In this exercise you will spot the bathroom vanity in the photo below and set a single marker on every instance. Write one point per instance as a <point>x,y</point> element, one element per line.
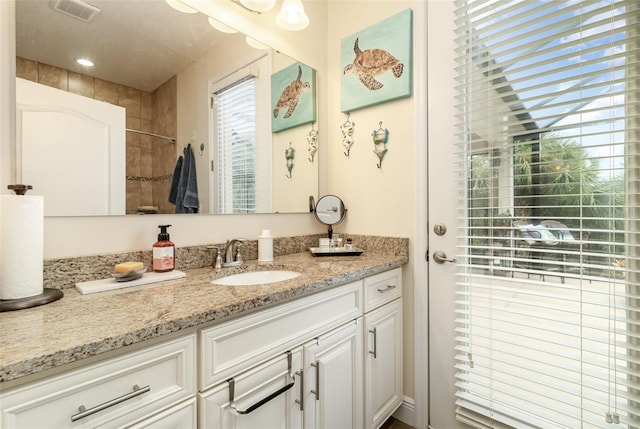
<point>323,350</point>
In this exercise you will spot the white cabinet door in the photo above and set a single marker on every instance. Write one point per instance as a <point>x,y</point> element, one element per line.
<point>333,379</point>
<point>264,397</point>
<point>383,363</point>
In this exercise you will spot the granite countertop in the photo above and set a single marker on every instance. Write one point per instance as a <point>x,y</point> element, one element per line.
<point>80,326</point>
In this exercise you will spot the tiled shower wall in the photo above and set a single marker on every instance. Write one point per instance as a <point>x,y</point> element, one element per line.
<point>150,160</point>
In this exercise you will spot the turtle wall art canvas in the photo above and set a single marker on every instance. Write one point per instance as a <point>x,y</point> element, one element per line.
<point>377,63</point>
<point>293,97</point>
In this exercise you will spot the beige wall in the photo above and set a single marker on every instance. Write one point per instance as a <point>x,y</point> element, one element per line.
<point>379,201</point>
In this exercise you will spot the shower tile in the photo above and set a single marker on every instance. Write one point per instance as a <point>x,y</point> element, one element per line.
<point>27,69</point>
<point>146,111</point>
<point>133,161</point>
<point>53,76</point>
<point>81,84</point>
<point>129,98</point>
<point>106,91</point>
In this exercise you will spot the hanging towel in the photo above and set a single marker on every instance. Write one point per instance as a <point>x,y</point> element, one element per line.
<point>187,194</point>
<point>173,193</point>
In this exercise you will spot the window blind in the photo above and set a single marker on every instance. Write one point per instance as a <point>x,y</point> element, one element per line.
<point>236,104</point>
<point>548,289</point>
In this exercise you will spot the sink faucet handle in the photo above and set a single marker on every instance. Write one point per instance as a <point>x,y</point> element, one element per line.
<point>238,254</point>
<point>218,259</point>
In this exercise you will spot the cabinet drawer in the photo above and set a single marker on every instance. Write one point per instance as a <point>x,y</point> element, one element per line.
<point>382,288</point>
<point>234,346</point>
<point>266,396</point>
<point>164,374</point>
<point>181,416</point>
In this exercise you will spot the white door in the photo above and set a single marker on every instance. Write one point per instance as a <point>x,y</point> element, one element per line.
<point>265,397</point>
<point>333,379</point>
<point>547,238</point>
<point>442,211</point>
<point>71,149</point>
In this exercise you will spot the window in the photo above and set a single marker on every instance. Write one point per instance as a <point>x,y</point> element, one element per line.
<point>548,314</point>
<point>236,146</point>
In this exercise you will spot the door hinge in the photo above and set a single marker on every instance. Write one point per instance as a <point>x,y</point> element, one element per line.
<point>426,255</point>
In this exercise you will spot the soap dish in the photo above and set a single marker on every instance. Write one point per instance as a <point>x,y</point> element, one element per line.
<point>128,276</point>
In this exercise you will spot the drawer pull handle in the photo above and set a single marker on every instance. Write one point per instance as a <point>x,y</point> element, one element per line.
<point>261,402</point>
<point>301,400</point>
<point>375,343</point>
<point>83,412</point>
<point>386,289</point>
<point>316,392</point>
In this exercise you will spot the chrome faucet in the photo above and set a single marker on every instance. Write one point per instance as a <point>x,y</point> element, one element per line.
<point>232,256</point>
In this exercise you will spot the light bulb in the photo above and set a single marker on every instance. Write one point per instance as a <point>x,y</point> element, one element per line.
<point>255,44</point>
<point>178,5</point>
<point>292,16</point>
<point>221,27</point>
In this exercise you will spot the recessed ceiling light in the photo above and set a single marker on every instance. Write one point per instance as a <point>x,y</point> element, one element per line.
<point>85,62</point>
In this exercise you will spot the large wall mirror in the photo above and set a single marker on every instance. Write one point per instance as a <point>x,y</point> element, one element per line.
<point>168,76</point>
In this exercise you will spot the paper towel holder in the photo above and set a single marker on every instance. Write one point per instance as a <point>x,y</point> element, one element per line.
<point>48,295</point>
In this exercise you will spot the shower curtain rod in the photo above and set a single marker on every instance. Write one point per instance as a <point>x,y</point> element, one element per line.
<point>171,139</point>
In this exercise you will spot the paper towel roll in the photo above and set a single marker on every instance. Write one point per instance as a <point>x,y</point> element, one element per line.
<point>21,246</point>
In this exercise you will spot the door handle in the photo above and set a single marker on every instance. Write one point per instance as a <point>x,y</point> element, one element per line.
<point>440,257</point>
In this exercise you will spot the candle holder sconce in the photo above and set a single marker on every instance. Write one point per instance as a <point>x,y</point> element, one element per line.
<point>347,129</point>
<point>289,155</point>
<point>312,140</point>
<point>380,139</point>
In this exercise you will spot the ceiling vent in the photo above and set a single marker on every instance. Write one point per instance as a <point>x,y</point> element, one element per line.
<point>75,8</point>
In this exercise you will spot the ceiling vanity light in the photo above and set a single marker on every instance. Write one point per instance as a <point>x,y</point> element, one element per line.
<point>178,5</point>
<point>221,27</point>
<point>292,16</point>
<point>255,44</point>
<point>258,5</point>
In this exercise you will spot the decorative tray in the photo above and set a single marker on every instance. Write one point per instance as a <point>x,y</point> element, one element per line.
<point>335,251</point>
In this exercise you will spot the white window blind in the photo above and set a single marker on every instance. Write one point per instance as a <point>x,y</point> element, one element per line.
<point>548,293</point>
<point>236,150</point>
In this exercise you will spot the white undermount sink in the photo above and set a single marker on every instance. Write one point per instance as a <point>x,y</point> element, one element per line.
<point>256,278</point>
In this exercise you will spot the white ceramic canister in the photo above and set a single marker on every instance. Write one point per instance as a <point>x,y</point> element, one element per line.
<point>265,246</point>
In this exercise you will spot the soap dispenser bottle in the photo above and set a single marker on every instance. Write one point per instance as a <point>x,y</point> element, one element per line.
<point>163,252</point>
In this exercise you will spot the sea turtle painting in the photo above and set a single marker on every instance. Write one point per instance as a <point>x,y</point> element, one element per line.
<point>291,95</point>
<point>373,62</point>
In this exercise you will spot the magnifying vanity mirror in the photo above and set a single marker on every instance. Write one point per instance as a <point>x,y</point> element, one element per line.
<point>330,211</point>
<point>166,71</point>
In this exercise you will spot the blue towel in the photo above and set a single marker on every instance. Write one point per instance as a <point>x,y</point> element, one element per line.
<point>173,193</point>
<point>187,193</point>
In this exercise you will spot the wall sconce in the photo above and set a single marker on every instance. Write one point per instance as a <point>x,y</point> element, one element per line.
<point>292,16</point>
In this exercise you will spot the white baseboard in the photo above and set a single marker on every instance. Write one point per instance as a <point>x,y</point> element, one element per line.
<point>406,412</point>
